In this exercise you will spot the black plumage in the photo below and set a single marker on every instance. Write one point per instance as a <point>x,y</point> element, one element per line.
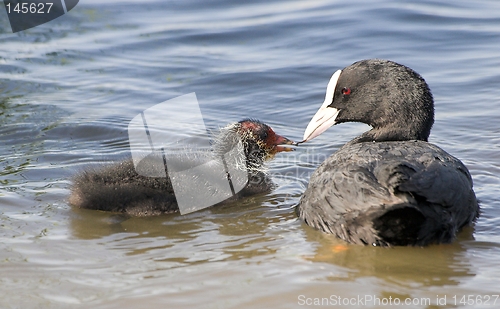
<point>119,188</point>
<point>388,186</point>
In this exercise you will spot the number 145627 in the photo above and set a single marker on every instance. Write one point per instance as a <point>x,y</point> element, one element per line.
<point>32,8</point>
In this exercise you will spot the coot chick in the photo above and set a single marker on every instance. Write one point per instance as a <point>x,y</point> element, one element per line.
<point>388,186</point>
<point>119,188</point>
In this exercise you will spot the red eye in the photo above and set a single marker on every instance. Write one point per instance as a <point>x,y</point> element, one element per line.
<point>346,91</point>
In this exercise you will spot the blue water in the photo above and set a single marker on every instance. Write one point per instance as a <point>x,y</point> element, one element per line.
<point>69,88</point>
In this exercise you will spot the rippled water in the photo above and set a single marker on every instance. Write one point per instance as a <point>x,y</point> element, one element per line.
<point>69,88</point>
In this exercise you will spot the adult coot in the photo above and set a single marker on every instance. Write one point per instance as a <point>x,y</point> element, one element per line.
<point>119,188</point>
<point>388,186</point>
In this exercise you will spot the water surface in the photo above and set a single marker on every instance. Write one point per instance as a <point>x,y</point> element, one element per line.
<point>69,88</point>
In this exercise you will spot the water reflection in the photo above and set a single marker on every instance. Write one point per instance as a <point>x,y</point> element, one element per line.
<point>233,231</point>
<point>435,265</point>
